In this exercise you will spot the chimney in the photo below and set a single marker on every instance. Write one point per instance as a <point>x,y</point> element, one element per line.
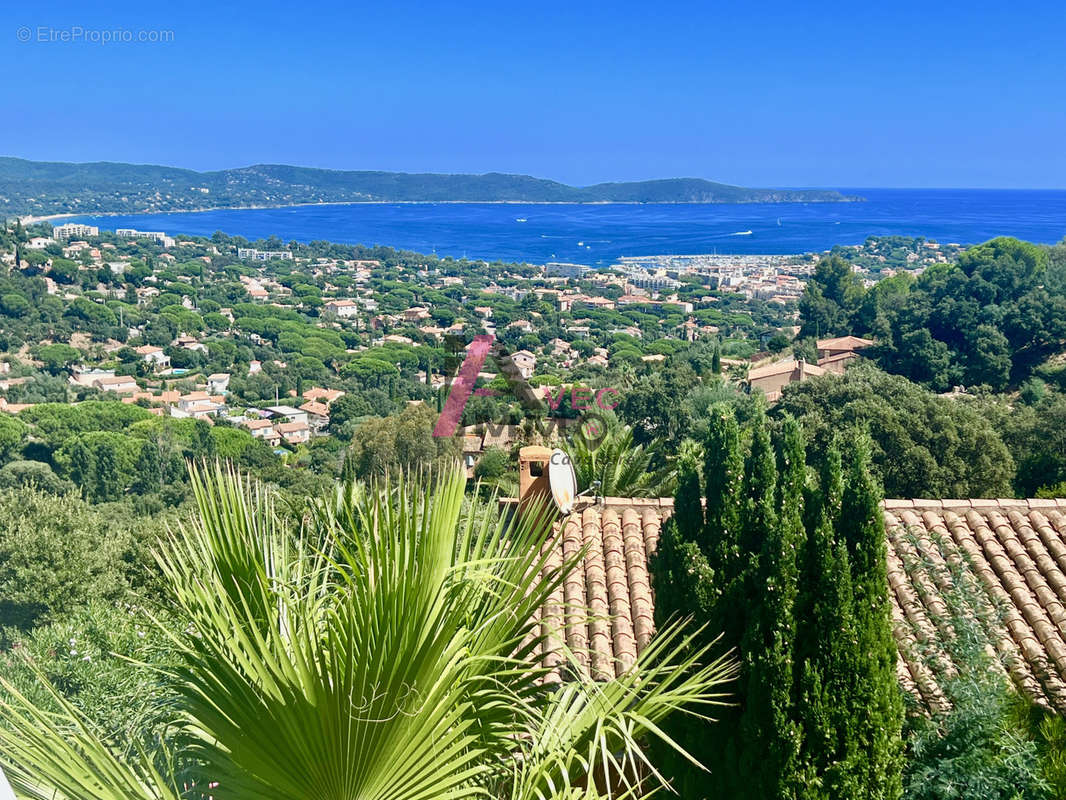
<point>533,475</point>
<point>801,364</point>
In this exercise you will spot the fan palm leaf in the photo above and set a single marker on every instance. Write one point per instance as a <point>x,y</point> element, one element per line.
<point>386,649</point>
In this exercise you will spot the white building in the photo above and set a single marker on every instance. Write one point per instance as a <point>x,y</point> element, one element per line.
<point>156,236</point>
<point>154,355</point>
<point>251,254</point>
<point>526,363</point>
<point>341,308</point>
<point>71,230</point>
<point>218,383</point>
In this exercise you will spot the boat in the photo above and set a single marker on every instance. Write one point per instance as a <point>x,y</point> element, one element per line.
<point>741,233</point>
<point>521,219</point>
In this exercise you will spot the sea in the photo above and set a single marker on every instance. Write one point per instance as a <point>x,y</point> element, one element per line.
<point>598,234</point>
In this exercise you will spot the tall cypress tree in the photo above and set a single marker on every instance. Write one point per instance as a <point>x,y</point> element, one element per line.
<point>770,730</point>
<point>877,693</point>
<point>794,580</point>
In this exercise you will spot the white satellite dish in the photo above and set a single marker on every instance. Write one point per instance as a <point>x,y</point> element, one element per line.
<point>563,481</point>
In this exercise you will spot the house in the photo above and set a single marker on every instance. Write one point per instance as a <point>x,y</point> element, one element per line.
<point>1014,550</point>
<point>287,413</point>
<point>320,395</point>
<point>84,376</point>
<point>341,308</point>
<point>526,363</point>
<point>773,378</point>
<point>294,432</point>
<point>120,384</point>
<point>254,367</point>
<point>523,325</point>
<point>154,356</point>
<point>263,429</point>
<point>38,243</point>
<point>416,314</point>
<point>835,354</point>
<point>218,383</point>
<point>190,343</point>
<point>317,415</point>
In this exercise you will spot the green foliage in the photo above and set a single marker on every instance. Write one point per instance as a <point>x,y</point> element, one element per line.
<point>923,445</point>
<point>56,553</point>
<point>990,320</point>
<point>784,571</point>
<point>404,442</point>
<point>619,467</point>
<point>94,655</point>
<point>392,596</point>
<point>975,748</point>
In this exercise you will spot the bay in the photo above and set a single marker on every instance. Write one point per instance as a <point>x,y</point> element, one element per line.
<point>599,234</point>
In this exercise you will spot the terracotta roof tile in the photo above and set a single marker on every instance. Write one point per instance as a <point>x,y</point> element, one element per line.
<point>1015,551</point>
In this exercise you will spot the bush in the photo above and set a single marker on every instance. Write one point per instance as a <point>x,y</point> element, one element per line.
<point>56,553</point>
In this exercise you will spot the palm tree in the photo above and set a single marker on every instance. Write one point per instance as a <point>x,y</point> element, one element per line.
<point>384,650</point>
<point>609,457</point>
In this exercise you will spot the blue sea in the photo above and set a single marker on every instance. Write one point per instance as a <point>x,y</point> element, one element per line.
<point>598,234</point>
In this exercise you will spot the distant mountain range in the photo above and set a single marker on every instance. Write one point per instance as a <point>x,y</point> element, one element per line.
<point>45,187</point>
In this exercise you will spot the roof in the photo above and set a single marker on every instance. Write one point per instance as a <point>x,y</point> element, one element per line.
<point>318,393</point>
<point>318,409</point>
<point>782,367</point>
<point>291,427</point>
<point>1015,549</point>
<point>115,380</point>
<point>844,343</point>
<point>612,583</point>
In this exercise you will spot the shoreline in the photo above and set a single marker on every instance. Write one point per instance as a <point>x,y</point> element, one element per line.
<point>33,219</point>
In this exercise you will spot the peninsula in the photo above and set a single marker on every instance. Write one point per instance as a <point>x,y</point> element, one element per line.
<point>49,188</point>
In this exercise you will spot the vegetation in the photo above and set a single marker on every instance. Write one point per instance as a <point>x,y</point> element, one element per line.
<point>975,748</point>
<point>388,594</point>
<point>793,575</point>
<point>989,320</point>
<point>35,187</point>
<point>923,445</point>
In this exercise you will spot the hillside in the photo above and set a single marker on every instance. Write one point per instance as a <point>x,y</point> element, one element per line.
<point>40,187</point>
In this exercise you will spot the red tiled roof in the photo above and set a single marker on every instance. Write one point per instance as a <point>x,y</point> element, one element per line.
<point>844,343</point>
<point>1016,550</point>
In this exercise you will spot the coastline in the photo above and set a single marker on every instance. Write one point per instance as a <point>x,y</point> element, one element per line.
<point>33,219</point>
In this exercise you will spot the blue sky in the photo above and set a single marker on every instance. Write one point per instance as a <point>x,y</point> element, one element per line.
<point>760,93</point>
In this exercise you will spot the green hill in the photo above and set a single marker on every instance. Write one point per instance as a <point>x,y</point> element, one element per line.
<point>41,187</point>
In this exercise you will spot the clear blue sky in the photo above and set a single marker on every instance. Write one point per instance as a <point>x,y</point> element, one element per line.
<point>776,93</point>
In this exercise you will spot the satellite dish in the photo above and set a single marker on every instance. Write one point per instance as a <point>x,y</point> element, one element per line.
<point>563,481</point>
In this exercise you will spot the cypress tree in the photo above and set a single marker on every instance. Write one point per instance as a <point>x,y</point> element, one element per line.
<point>772,735</point>
<point>723,473</point>
<point>794,580</point>
<point>878,700</point>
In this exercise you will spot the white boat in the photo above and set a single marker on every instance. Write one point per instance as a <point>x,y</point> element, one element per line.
<point>741,233</point>
<point>521,219</point>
